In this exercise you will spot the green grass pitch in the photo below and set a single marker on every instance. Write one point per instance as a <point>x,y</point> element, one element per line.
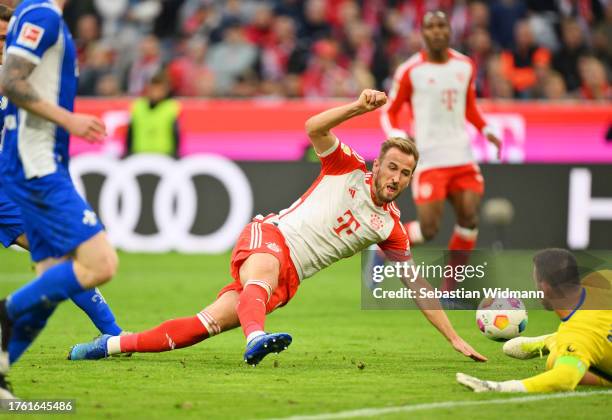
<point>342,357</point>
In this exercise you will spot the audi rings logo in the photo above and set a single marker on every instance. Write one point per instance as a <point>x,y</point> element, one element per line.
<point>175,204</point>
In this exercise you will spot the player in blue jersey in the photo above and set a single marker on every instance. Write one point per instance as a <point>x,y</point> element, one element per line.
<point>12,233</point>
<point>39,78</point>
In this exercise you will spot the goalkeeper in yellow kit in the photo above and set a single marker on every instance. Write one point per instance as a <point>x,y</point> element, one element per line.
<point>580,352</point>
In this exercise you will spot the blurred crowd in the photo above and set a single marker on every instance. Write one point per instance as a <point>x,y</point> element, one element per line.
<point>538,49</point>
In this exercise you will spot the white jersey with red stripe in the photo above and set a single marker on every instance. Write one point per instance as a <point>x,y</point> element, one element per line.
<point>441,96</point>
<point>337,218</point>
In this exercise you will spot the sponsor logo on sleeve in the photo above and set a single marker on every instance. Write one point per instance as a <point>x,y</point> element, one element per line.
<point>30,35</point>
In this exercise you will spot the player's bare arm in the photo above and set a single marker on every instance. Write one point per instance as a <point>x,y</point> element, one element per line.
<point>434,313</point>
<point>319,126</point>
<point>17,88</point>
<point>493,139</point>
<point>14,81</point>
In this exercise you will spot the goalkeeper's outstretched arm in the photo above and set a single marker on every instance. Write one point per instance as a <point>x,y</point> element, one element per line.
<point>566,374</point>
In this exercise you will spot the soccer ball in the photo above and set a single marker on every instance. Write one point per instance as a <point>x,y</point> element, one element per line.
<point>501,319</point>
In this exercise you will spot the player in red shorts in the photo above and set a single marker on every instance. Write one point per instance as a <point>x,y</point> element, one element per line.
<point>438,85</point>
<point>346,210</point>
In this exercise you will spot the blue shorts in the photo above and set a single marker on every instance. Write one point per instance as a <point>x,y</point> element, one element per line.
<point>55,217</point>
<point>11,223</point>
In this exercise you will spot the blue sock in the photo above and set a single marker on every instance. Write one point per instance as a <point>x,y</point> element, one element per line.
<point>55,285</point>
<point>25,330</point>
<point>93,304</point>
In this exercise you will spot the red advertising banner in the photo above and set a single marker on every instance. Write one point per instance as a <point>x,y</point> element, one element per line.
<point>260,130</point>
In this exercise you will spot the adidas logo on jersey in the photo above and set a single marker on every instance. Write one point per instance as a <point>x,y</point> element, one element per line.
<point>352,192</point>
<point>273,246</point>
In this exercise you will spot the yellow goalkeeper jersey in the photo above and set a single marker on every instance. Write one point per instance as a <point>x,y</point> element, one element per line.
<point>586,333</point>
<point>583,340</point>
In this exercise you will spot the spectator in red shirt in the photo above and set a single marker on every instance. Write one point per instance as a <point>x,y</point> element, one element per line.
<point>260,31</point>
<point>187,72</point>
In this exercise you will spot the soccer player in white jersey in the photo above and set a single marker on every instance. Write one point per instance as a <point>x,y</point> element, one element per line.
<point>437,84</point>
<point>66,240</point>
<point>346,210</point>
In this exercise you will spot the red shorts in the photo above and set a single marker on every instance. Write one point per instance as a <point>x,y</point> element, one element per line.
<point>437,183</point>
<point>257,238</point>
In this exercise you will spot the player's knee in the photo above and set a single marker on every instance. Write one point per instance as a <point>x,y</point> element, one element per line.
<point>260,267</point>
<point>105,267</point>
<point>429,230</point>
<point>266,269</point>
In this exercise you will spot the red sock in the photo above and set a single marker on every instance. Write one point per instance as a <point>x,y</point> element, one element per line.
<point>461,244</point>
<point>252,308</point>
<point>170,335</point>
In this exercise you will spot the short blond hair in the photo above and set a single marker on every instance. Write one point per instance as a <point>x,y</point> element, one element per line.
<point>407,146</point>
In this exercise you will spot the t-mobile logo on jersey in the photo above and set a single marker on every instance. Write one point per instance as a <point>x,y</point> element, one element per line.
<point>348,223</point>
<point>449,98</point>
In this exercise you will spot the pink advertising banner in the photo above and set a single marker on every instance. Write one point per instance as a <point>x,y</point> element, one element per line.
<point>264,130</point>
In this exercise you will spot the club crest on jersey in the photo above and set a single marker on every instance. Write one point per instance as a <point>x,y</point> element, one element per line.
<point>376,222</point>
<point>273,246</point>
<point>30,35</point>
<point>89,218</point>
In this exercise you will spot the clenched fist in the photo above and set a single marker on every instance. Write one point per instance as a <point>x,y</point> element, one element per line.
<point>371,99</point>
